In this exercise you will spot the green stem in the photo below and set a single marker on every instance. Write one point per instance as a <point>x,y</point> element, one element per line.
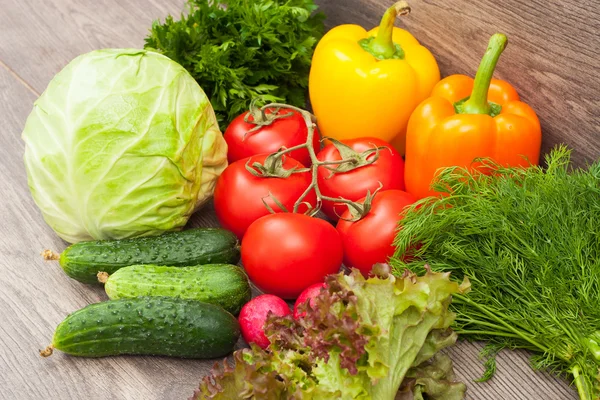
<point>582,386</point>
<point>382,46</point>
<point>257,113</point>
<point>310,121</point>
<point>501,321</point>
<point>383,42</point>
<point>478,102</point>
<point>486,333</point>
<point>260,117</point>
<point>290,149</point>
<point>480,323</point>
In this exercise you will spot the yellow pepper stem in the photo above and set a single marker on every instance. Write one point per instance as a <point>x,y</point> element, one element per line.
<point>478,102</point>
<point>382,46</point>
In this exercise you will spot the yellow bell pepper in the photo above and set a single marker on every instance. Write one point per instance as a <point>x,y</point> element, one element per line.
<point>368,83</point>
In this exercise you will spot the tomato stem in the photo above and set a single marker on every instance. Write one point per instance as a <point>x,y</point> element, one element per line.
<point>260,118</point>
<point>358,210</point>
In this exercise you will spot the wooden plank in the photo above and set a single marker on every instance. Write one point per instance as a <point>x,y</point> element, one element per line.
<point>38,38</point>
<point>552,57</point>
<point>514,378</point>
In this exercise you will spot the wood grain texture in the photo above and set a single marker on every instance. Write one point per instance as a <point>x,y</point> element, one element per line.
<point>514,379</point>
<point>38,38</point>
<point>552,58</point>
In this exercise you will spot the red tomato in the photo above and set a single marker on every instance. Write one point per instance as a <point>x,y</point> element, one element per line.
<point>308,294</point>
<point>285,132</point>
<point>239,195</point>
<point>285,253</point>
<point>369,240</point>
<point>254,315</point>
<point>353,185</point>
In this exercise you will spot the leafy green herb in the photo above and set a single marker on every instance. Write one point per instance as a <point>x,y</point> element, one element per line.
<point>529,241</point>
<point>241,49</point>
<point>362,339</point>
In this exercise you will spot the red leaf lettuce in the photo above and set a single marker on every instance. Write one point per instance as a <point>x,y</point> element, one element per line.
<point>362,339</point>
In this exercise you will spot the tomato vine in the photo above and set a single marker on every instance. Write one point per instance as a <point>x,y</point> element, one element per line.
<point>273,164</point>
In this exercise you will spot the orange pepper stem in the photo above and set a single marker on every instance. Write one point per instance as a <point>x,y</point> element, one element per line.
<point>478,102</point>
<point>382,46</point>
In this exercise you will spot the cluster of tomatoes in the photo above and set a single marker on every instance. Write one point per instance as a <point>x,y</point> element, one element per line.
<point>286,253</point>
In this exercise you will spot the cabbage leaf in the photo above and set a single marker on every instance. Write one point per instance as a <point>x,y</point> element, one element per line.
<point>122,143</point>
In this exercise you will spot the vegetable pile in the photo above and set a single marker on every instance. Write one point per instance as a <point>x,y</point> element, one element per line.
<point>238,50</point>
<point>361,339</point>
<point>124,146</point>
<point>284,253</point>
<point>528,240</point>
<point>166,298</point>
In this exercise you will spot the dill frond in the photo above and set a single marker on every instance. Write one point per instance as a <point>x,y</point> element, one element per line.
<point>529,241</point>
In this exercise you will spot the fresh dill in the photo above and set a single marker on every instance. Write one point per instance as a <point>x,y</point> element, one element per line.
<point>529,241</point>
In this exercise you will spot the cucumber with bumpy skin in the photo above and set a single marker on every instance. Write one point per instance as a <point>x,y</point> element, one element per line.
<point>222,284</point>
<point>147,326</point>
<point>83,260</point>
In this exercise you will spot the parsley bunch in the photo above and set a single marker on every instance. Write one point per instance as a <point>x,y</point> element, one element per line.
<point>529,242</point>
<point>241,49</point>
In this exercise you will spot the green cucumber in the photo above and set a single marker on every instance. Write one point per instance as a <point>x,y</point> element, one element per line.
<point>162,326</point>
<point>222,284</point>
<point>83,261</point>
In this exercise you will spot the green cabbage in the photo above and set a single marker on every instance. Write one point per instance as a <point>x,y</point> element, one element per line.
<point>122,143</point>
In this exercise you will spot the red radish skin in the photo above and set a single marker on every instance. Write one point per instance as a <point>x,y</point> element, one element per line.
<point>253,316</point>
<point>308,294</point>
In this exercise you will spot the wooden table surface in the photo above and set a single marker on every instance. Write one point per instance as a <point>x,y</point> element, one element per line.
<point>38,38</point>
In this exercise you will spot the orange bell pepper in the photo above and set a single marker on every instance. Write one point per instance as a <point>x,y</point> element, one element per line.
<point>368,83</point>
<point>458,124</point>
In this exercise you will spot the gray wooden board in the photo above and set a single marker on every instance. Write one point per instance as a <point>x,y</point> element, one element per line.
<point>38,38</point>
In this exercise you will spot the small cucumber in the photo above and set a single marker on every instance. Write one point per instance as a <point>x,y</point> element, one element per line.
<point>83,261</point>
<point>222,284</point>
<point>162,326</point>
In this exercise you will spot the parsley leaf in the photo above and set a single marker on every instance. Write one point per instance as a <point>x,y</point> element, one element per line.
<point>241,49</point>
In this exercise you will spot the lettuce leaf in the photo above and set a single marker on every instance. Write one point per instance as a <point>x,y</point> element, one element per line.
<point>435,379</point>
<point>362,339</point>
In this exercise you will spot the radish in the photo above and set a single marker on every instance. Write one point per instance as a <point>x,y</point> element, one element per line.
<point>254,315</point>
<point>309,293</point>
